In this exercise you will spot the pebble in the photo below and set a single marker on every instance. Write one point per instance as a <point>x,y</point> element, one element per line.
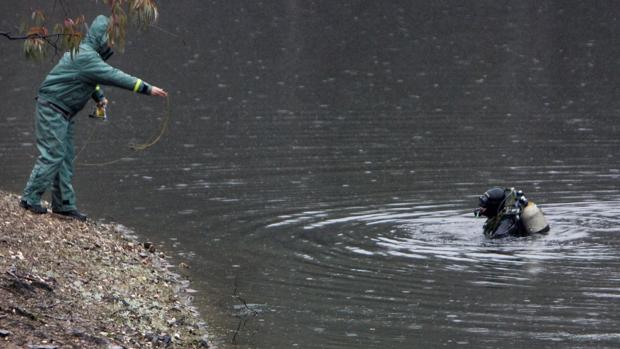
<point>5,333</point>
<point>204,342</point>
<point>149,246</point>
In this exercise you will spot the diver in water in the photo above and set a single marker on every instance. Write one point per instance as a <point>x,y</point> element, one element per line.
<point>510,213</point>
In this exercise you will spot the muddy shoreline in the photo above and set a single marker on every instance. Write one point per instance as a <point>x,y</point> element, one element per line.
<point>68,284</point>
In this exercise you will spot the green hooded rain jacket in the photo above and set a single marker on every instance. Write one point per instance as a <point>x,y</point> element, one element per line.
<point>65,91</point>
<point>74,80</point>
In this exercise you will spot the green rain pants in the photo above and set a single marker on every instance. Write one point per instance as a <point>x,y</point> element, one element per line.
<point>54,166</point>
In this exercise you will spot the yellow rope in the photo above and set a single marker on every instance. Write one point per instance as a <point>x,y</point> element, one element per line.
<point>98,164</point>
<point>164,126</point>
<point>136,147</point>
<point>88,139</point>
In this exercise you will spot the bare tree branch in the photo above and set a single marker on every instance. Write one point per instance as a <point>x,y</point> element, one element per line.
<point>51,39</point>
<point>9,36</point>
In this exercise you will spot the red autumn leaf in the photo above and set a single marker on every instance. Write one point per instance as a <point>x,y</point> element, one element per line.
<point>69,22</point>
<point>37,31</point>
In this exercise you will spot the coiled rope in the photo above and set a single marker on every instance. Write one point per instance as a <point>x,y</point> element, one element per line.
<point>135,147</point>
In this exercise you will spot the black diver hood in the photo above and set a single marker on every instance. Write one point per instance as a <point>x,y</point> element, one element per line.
<point>492,201</point>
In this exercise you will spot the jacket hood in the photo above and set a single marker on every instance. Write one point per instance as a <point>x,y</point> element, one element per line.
<point>97,36</point>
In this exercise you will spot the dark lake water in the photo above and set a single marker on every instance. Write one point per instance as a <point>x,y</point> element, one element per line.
<point>324,157</point>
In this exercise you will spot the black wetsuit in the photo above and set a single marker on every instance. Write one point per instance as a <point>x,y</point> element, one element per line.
<point>504,225</point>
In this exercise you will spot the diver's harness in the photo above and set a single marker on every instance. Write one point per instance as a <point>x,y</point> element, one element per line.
<point>513,205</point>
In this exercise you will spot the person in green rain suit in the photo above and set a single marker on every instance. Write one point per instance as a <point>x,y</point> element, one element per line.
<point>64,92</point>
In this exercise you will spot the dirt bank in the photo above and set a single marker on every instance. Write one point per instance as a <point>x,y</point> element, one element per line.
<point>67,284</point>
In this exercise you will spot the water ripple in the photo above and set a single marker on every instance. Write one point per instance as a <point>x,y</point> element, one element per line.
<point>414,231</point>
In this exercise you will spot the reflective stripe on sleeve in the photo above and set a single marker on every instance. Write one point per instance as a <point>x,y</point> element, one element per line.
<point>137,86</point>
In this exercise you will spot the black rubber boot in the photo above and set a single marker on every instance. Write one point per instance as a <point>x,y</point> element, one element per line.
<point>38,209</point>
<point>75,214</point>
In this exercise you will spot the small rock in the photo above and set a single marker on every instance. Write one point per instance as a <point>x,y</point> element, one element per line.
<point>166,339</point>
<point>149,246</point>
<point>183,265</point>
<point>204,342</point>
<point>5,333</point>
<point>42,346</point>
<point>143,255</point>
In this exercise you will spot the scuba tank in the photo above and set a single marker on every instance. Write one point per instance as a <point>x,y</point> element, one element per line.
<point>533,219</point>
